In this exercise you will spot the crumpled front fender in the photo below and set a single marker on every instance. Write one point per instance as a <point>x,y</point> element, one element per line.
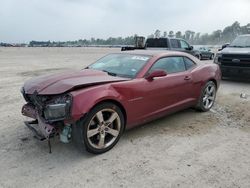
<point>84,100</point>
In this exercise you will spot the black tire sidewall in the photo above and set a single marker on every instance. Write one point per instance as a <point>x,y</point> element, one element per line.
<point>198,56</point>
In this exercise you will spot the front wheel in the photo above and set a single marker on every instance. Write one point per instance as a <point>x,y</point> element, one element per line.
<point>101,129</point>
<point>207,98</point>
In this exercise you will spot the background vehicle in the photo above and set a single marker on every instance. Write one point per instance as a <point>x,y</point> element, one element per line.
<point>234,59</point>
<point>118,92</point>
<point>224,46</point>
<point>166,43</point>
<point>139,44</point>
<point>204,53</point>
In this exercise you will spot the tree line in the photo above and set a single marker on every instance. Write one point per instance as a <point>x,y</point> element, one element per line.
<point>111,41</point>
<point>217,37</point>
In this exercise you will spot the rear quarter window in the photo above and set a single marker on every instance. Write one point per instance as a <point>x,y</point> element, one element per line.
<point>170,65</point>
<point>188,63</point>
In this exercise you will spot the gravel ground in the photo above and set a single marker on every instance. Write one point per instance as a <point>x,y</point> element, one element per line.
<point>186,149</point>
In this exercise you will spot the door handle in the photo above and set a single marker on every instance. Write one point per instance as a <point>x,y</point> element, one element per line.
<point>187,78</point>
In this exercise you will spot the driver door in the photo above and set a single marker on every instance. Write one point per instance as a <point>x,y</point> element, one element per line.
<point>166,93</point>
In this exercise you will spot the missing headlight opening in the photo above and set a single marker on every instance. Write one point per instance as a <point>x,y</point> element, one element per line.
<point>49,111</point>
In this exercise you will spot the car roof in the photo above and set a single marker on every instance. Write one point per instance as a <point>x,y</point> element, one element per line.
<point>155,52</point>
<point>161,53</point>
<point>166,38</point>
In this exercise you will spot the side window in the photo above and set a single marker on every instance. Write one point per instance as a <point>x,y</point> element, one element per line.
<point>189,63</point>
<point>174,43</point>
<point>184,44</point>
<point>170,65</point>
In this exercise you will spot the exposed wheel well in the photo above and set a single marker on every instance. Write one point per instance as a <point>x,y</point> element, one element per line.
<point>119,105</point>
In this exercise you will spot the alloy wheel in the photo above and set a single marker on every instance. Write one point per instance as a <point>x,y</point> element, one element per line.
<point>209,96</point>
<point>104,128</point>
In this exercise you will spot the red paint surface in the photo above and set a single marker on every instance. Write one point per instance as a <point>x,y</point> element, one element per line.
<point>141,99</point>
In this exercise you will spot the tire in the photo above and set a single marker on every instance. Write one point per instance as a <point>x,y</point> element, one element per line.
<point>212,57</point>
<point>198,56</point>
<point>207,97</point>
<point>100,129</point>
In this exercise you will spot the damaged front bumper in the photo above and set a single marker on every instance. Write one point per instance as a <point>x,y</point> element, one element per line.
<point>41,129</point>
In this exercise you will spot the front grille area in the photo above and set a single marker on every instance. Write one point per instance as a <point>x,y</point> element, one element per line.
<point>226,60</point>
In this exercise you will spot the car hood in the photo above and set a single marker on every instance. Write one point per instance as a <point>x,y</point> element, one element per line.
<point>63,82</point>
<point>230,50</point>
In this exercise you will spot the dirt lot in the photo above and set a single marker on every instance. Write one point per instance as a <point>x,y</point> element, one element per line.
<point>187,149</point>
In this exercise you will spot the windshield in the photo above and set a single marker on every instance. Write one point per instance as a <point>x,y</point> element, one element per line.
<point>123,65</point>
<point>241,41</point>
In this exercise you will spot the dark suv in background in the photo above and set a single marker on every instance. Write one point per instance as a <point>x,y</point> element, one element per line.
<point>175,44</point>
<point>166,43</point>
<point>234,59</point>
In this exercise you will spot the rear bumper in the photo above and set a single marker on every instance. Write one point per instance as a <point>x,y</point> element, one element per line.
<point>40,128</point>
<point>235,71</point>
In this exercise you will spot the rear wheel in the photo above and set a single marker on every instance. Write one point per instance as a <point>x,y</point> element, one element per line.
<point>198,56</point>
<point>212,57</point>
<point>207,98</point>
<point>101,129</point>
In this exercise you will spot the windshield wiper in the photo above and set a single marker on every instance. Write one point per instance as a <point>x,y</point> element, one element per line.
<point>110,73</point>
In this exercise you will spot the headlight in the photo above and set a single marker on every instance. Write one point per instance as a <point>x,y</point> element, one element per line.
<point>217,58</point>
<point>59,109</point>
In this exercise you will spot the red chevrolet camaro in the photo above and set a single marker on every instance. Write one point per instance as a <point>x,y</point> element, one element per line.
<point>95,105</point>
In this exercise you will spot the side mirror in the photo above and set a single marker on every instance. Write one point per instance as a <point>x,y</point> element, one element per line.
<point>190,48</point>
<point>224,46</point>
<point>156,74</point>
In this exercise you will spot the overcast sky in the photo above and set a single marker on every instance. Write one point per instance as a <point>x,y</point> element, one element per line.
<point>25,20</point>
